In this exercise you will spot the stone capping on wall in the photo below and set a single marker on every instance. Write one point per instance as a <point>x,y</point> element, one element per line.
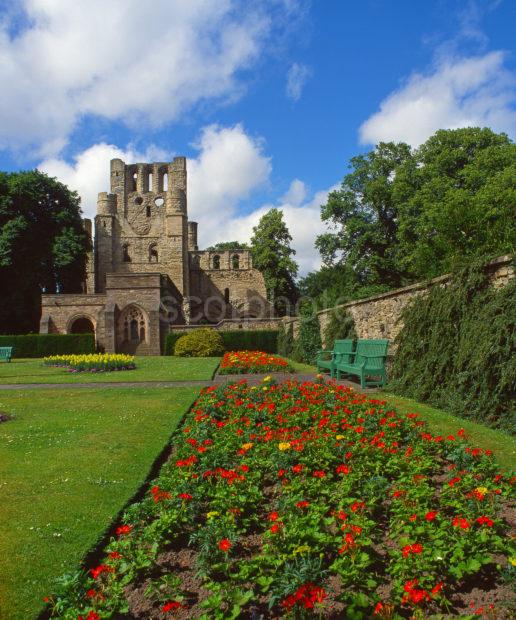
<point>266,323</point>
<point>73,299</point>
<point>493,266</point>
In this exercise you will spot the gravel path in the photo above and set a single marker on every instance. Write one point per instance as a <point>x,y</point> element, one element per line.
<point>252,379</point>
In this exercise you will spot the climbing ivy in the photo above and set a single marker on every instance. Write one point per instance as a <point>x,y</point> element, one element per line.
<point>308,341</point>
<point>457,349</point>
<point>286,340</point>
<point>341,324</point>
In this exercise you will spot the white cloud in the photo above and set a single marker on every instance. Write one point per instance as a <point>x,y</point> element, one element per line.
<point>142,63</point>
<point>230,165</point>
<point>460,92</point>
<point>297,77</point>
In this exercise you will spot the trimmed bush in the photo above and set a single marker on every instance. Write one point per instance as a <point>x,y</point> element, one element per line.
<point>251,340</point>
<point>235,340</point>
<point>43,345</point>
<point>203,342</point>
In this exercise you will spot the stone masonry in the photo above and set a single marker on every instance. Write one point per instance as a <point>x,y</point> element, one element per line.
<point>146,273</point>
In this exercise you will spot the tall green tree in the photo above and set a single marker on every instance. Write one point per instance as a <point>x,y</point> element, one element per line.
<point>364,212</point>
<point>43,246</point>
<point>272,255</point>
<point>456,201</point>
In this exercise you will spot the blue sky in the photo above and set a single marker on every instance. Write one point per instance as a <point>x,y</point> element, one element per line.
<point>268,100</point>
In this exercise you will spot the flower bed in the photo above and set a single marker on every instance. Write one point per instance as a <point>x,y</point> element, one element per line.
<point>306,500</point>
<point>243,362</point>
<point>92,363</point>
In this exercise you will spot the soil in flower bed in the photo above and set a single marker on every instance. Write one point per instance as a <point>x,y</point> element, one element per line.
<point>310,500</point>
<point>251,362</point>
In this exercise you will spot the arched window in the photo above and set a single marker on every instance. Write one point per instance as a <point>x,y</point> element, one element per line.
<point>125,253</point>
<point>150,181</point>
<point>133,325</point>
<point>216,262</point>
<point>226,295</point>
<point>165,181</point>
<point>134,183</point>
<point>153,253</point>
<point>235,261</point>
<point>148,211</point>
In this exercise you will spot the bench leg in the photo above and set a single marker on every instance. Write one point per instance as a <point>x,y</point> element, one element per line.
<point>362,381</point>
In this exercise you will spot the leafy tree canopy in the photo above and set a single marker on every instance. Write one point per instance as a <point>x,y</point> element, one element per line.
<point>272,255</point>
<point>403,215</point>
<point>227,245</point>
<point>42,246</point>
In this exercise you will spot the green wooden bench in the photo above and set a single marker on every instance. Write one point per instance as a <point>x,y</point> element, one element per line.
<point>6,353</point>
<point>342,350</point>
<point>369,360</point>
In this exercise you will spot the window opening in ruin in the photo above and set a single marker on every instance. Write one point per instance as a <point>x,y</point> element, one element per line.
<point>235,261</point>
<point>153,253</point>
<point>216,262</point>
<point>134,185</point>
<point>148,211</point>
<point>125,253</point>
<point>150,182</point>
<point>226,295</point>
<point>134,329</point>
<point>159,201</point>
<point>165,181</point>
<point>138,200</point>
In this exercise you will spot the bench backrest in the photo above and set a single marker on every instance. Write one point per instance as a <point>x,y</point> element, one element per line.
<point>6,351</point>
<point>368,348</point>
<point>343,346</point>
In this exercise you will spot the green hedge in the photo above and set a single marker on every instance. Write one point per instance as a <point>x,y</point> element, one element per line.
<point>42,345</point>
<point>236,340</point>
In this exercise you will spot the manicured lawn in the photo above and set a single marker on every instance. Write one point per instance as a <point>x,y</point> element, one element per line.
<point>69,461</point>
<point>304,368</point>
<point>440,422</point>
<point>148,369</point>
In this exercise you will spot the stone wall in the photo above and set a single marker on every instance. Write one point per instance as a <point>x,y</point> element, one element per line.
<point>379,316</point>
<point>234,324</point>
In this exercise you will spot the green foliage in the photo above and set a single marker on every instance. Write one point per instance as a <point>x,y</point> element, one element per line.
<point>341,325</point>
<point>286,340</point>
<point>272,255</point>
<point>170,342</point>
<point>42,246</point>
<point>456,349</point>
<point>43,345</point>
<point>227,245</point>
<point>403,215</point>
<point>250,340</point>
<point>203,342</point>
<point>308,341</point>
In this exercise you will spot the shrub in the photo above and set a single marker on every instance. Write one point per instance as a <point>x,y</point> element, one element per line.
<point>170,342</point>
<point>341,325</point>
<point>286,340</point>
<point>456,349</point>
<point>203,342</point>
<point>43,345</point>
<point>309,338</point>
<point>250,340</point>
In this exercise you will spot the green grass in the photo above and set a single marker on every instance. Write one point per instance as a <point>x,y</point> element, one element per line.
<point>443,423</point>
<point>304,368</point>
<point>69,461</point>
<point>148,369</point>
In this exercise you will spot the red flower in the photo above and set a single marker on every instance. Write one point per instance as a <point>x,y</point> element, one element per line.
<point>101,568</point>
<point>297,468</point>
<point>303,504</point>
<point>415,548</point>
<point>185,496</point>
<point>225,545</point>
<point>273,516</point>
<point>319,474</point>
<point>485,521</point>
<point>357,506</point>
<point>343,469</point>
<point>276,527</point>
<point>438,587</point>
<point>431,515</point>
<point>124,529</point>
<point>464,524</point>
<point>114,555</point>
<point>171,606</point>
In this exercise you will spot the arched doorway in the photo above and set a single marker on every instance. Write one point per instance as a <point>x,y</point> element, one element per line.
<point>81,325</point>
<point>132,330</point>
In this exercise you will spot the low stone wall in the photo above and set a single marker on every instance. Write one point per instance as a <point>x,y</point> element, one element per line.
<point>233,324</point>
<point>379,316</point>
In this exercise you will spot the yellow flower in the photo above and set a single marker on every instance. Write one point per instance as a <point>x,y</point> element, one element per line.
<point>284,445</point>
<point>512,561</point>
<point>265,389</point>
<point>247,446</point>
<point>302,549</point>
<point>267,378</point>
<point>482,490</point>
<point>210,515</point>
<point>340,437</point>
